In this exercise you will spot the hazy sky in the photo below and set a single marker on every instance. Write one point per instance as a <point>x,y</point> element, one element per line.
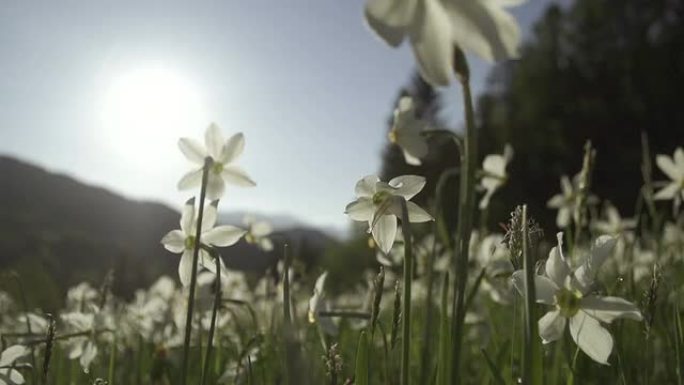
<point>102,90</point>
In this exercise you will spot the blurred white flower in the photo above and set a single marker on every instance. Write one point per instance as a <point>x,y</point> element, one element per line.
<point>84,347</point>
<point>571,295</point>
<point>563,202</point>
<point>317,304</point>
<point>258,232</point>
<point>614,224</point>
<point>406,132</point>
<point>494,173</point>
<point>9,375</point>
<point>674,169</point>
<point>374,195</point>
<point>183,241</point>
<point>222,153</point>
<point>435,27</point>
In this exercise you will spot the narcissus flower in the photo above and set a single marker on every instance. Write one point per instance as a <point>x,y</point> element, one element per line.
<point>258,232</point>
<point>571,295</point>
<point>614,224</point>
<point>9,375</point>
<point>376,205</point>
<point>674,169</point>
<point>183,241</point>
<point>564,202</point>
<point>406,132</point>
<point>222,153</point>
<point>435,27</point>
<point>494,173</point>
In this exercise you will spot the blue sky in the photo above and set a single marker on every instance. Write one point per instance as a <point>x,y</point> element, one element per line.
<point>305,80</point>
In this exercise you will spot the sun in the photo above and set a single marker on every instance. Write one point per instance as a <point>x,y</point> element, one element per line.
<point>147,109</point>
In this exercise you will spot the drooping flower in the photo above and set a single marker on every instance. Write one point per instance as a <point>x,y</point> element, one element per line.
<point>9,375</point>
<point>435,27</point>
<point>371,205</point>
<point>258,232</point>
<point>564,202</point>
<point>494,173</point>
<point>223,153</point>
<point>571,295</point>
<point>183,241</point>
<point>674,169</point>
<point>406,132</point>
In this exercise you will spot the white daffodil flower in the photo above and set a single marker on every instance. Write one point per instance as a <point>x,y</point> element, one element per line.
<point>317,304</point>
<point>614,224</point>
<point>373,196</point>
<point>434,27</point>
<point>183,241</point>
<point>222,153</point>
<point>674,169</point>
<point>494,173</point>
<point>570,293</point>
<point>9,375</point>
<point>564,202</point>
<point>258,232</point>
<point>406,132</point>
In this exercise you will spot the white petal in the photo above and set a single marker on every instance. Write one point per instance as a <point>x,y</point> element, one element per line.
<point>192,150</point>
<point>668,192</point>
<point>556,266</point>
<point>237,176</point>
<point>591,337</point>
<point>585,274</point>
<point>187,221</point>
<point>389,18</point>
<point>208,262</point>
<point>365,188</point>
<point>12,353</point>
<point>413,144</point>
<point>566,186</point>
<point>185,268</point>
<point>261,229</point>
<point>89,354</point>
<point>669,168</point>
<point>407,186</point>
<point>233,148</point>
<point>430,35</point>
<point>190,180</point>
<point>551,326</point>
<point>417,214</point>
<point>410,159</point>
<point>494,164</point>
<point>544,288</point>
<point>223,236</point>
<point>384,232</point>
<point>556,201</point>
<point>360,210</point>
<point>563,217</point>
<point>607,309</point>
<point>173,241</point>
<point>209,216</point>
<point>213,139</point>
<point>216,186</point>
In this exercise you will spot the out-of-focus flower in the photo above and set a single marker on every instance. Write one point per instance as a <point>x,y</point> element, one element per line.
<point>374,204</point>
<point>183,241</point>
<point>84,348</point>
<point>317,304</point>
<point>563,202</point>
<point>674,169</point>
<point>571,295</point>
<point>81,296</point>
<point>258,232</point>
<point>614,224</point>
<point>406,132</point>
<point>492,254</point>
<point>494,173</point>
<point>9,375</point>
<point>222,153</point>
<point>435,27</point>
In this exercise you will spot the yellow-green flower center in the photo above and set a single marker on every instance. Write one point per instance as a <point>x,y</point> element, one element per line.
<point>217,167</point>
<point>250,238</point>
<point>380,197</point>
<point>392,135</point>
<point>568,302</point>
<point>190,242</point>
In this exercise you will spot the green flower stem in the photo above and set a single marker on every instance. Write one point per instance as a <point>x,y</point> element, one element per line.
<point>214,312</point>
<point>406,316</point>
<point>531,359</point>
<point>466,212</point>
<point>345,314</point>
<point>112,358</point>
<point>193,277</point>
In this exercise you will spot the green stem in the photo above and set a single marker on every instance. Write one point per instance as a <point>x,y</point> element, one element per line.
<point>214,312</point>
<point>193,277</point>
<point>465,224</point>
<point>112,356</point>
<point>345,314</point>
<point>406,318</point>
<point>531,363</point>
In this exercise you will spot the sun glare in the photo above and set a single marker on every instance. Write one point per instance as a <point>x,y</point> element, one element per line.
<point>148,108</point>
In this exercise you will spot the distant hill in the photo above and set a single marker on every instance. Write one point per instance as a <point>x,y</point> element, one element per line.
<point>56,232</point>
